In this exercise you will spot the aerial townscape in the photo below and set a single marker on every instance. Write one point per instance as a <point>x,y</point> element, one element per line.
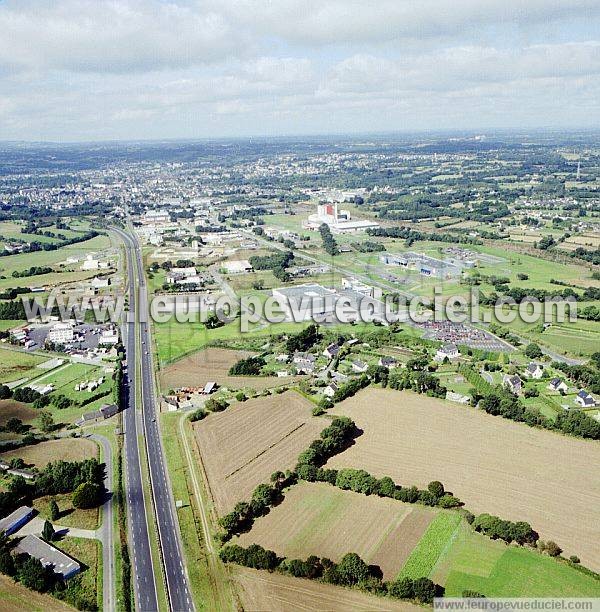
<point>182,461</point>
<point>299,305</point>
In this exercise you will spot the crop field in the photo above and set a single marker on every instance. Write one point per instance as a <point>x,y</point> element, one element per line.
<point>242,446</point>
<point>279,593</point>
<point>10,409</point>
<point>316,518</point>
<point>213,364</point>
<point>492,464</point>
<point>433,543</point>
<point>67,449</point>
<point>472,561</point>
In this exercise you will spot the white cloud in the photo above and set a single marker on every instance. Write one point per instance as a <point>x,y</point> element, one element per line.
<point>113,35</point>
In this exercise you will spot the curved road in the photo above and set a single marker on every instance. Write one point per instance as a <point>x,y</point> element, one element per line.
<point>175,573</point>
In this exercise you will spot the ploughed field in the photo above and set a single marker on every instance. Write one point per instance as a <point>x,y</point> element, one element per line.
<point>492,464</point>
<point>279,593</point>
<point>242,446</point>
<point>319,519</point>
<point>212,364</point>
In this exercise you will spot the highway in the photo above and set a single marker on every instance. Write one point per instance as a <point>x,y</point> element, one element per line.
<point>144,585</point>
<point>178,591</point>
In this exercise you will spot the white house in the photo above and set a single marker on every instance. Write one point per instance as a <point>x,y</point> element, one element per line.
<point>534,370</point>
<point>332,350</point>
<point>388,362</point>
<point>557,384</point>
<point>584,399</point>
<point>330,389</point>
<point>359,366</point>
<point>241,266</point>
<point>513,383</point>
<point>448,350</point>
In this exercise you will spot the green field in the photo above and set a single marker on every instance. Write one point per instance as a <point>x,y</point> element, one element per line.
<point>492,568</point>
<point>15,365</point>
<point>431,546</point>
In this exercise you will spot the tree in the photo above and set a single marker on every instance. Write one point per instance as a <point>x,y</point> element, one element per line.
<point>33,575</point>
<point>48,532</point>
<point>87,495</point>
<point>7,564</point>
<point>402,588</point>
<point>553,549</point>
<point>54,511</point>
<point>352,569</point>
<point>424,590</point>
<point>14,425</point>
<point>436,488</point>
<point>5,392</point>
<point>533,351</point>
<point>46,421</point>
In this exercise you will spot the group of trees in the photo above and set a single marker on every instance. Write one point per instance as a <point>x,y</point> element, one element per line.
<point>242,516</point>
<point>33,271</point>
<point>304,340</point>
<point>249,366</point>
<point>329,243</point>
<point>351,571</point>
<point>352,387</point>
<point>277,263</point>
<point>509,531</point>
<point>413,235</point>
<point>418,381</point>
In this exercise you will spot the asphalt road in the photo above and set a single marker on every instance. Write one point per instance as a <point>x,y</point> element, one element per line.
<point>176,578</point>
<point>144,585</point>
<point>105,531</point>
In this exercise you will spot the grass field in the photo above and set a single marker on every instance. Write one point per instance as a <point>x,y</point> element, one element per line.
<point>279,593</point>
<point>89,553</point>
<point>242,446</point>
<point>472,561</point>
<point>15,365</point>
<point>213,364</point>
<point>67,449</point>
<point>434,542</point>
<point>319,519</point>
<point>501,467</point>
<point>69,516</point>
<point>175,340</point>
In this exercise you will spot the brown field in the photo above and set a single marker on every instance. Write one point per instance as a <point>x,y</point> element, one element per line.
<point>242,446</point>
<point>279,593</point>
<point>492,464</point>
<point>67,449</point>
<point>318,519</point>
<point>16,598</point>
<point>10,409</point>
<point>213,364</point>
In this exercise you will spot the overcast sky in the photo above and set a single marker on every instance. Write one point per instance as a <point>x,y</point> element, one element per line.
<point>131,69</point>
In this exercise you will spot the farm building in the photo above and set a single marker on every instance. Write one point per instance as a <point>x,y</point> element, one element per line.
<point>49,556</point>
<point>237,267</point>
<point>15,520</point>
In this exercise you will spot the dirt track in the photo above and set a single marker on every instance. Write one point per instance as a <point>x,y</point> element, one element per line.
<point>492,464</point>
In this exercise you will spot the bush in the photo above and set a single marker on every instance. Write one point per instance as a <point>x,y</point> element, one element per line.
<point>87,495</point>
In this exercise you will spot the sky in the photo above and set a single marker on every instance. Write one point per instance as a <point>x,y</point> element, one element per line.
<point>81,70</point>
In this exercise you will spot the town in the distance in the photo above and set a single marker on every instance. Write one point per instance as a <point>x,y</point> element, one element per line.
<point>188,422</point>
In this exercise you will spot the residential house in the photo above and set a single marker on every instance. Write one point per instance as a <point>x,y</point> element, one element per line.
<point>448,350</point>
<point>330,389</point>
<point>359,366</point>
<point>585,400</point>
<point>512,383</point>
<point>332,350</point>
<point>557,384</point>
<point>534,370</point>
